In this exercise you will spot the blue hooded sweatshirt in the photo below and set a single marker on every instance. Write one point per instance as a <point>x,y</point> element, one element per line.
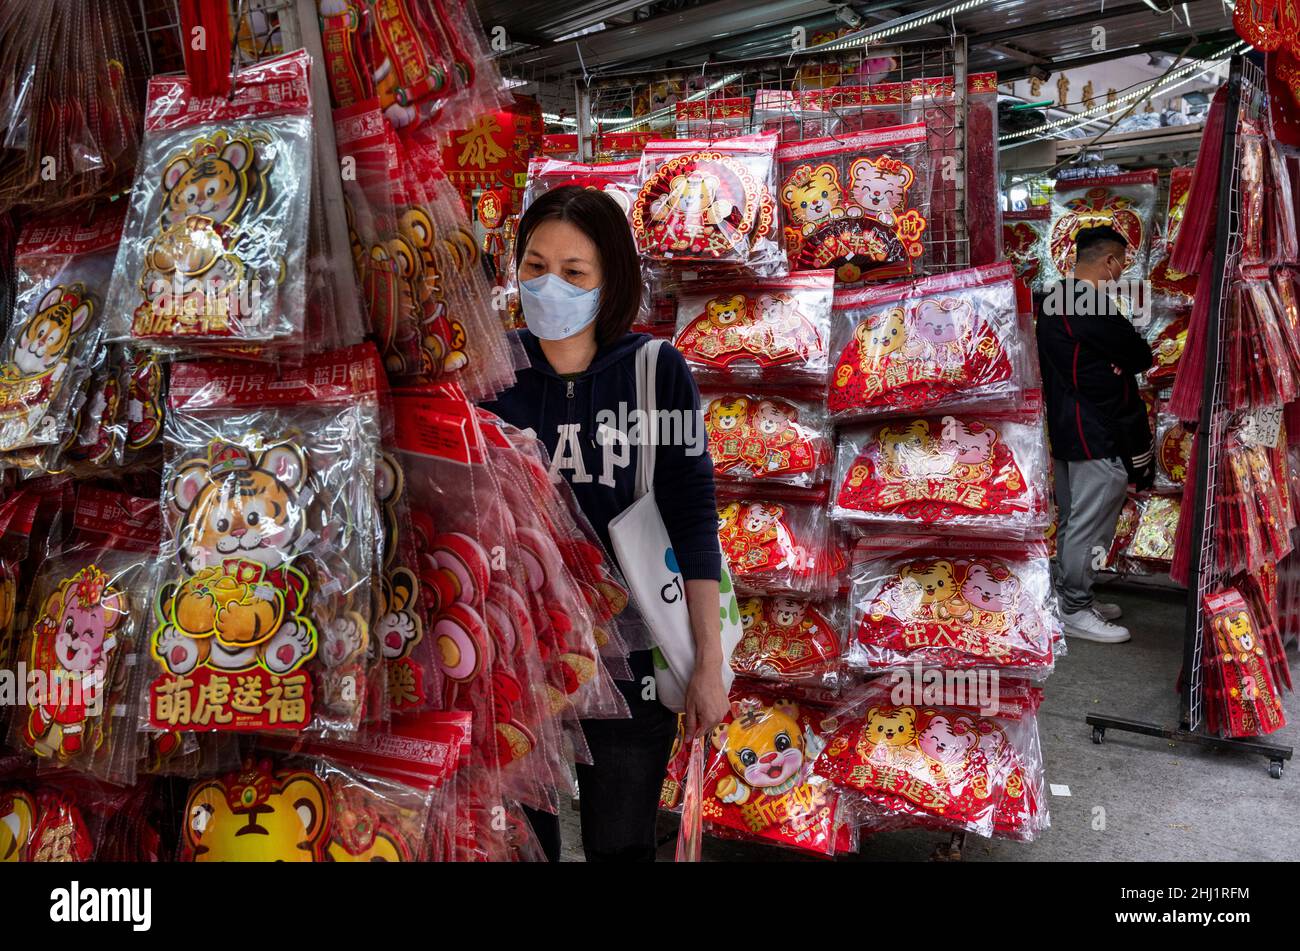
<point>566,414</point>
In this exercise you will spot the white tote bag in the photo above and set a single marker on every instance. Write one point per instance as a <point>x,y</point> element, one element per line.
<point>645,554</point>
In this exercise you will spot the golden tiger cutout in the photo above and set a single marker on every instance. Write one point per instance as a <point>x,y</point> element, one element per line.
<point>257,816</point>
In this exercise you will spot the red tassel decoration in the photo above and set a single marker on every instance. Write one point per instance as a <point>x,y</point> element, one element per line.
<point>1203,197</point>
<point>208,68</point>
<point>1185,400</point>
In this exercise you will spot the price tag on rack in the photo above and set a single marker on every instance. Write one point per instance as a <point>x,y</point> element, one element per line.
<point>1264,427</point>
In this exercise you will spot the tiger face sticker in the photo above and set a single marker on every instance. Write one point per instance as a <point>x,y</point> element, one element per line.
<point>239,604</point>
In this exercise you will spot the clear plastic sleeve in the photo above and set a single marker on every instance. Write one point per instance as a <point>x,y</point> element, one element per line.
<point>704,204</point>
<point>948,765</point>
<point>963,604</point>
<point>952,341</point>
<point>759,782</point>
<point>774,547</point>
<point>790,640</point>
<point>767,439</point>
<point>985,474</point>
<point>1024,240</point>
<point>774,330</point>
<point>213,257</point>
<point>857,203</point>
<point>1125,202</point>
<point>270,519</point>
<point>53,344</point>
<point>89,611</point>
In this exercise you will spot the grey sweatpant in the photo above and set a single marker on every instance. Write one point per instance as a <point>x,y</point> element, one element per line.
<point>1089,498</point>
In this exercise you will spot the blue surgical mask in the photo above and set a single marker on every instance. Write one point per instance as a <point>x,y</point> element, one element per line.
<point>554,308</point>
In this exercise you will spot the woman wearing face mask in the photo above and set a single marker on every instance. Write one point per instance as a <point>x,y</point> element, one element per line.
<point>580,288</point>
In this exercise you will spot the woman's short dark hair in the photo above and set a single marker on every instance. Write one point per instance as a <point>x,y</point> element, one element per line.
<point>600,218</point>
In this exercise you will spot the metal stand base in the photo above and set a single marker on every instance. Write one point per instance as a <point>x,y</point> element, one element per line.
<point>1276,755</point>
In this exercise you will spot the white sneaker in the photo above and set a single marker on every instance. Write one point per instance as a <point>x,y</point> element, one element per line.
<point>1088,625</point>
<point>1111,612</point>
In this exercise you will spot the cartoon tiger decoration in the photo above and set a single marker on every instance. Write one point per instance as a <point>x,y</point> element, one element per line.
<point>33,374</point>
<point>219,177</point>
<point>257,815</point>
<point>242,601</point>
<point>358,833</point>
<point>17,818</point>
<point>765,747</point>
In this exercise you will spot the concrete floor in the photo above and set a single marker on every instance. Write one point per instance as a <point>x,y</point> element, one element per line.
<point>1161,801</point>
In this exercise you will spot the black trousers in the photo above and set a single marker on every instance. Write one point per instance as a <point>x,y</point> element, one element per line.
<point>618,794</point>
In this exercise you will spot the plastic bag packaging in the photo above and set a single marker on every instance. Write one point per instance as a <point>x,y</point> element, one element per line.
<point>384,262</point>
<point>1167,284</point>
<point>983,201</point>
<point>767,439</point>
<point>214,252</point>
<point>483,617</point>
<point>411,675</point>
<point>461,335</point>
<point>1167,335</point>
<point>313,810</point>
<point>791,641</point>
<point>1286,285</point>
<point>1242,698</point>
<point>950,341</point>
<point>1125,202</point>
<point>706,205</point>
<point>945,765</point>
<point>618,180</point>
<point>857,203</point>
<point>955,603</point>
<point>760,780</point>
<point>53,344</point>
<point>591,567</point>
<point>1259,356</point>
<point>986,474</point>
<point>145,408</point>
<point>1154,529</point>
<point>89,611</point>
<point>57,817</point>
<point>568,618</point>
<point>1173,452</point>
<point>774,547</point>
<point>424,59</point>
<point>774,330</point>
<point>1024,239</point>
<point>263,617</point>
<point>69,102</point>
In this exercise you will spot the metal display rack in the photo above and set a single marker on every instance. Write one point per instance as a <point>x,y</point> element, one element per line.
<point>1245,97</point>
<point>617,101</point>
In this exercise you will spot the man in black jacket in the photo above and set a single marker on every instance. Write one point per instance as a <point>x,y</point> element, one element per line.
<point>1097,421</point>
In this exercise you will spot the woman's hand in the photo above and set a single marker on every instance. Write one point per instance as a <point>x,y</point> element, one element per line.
<point>706,700</point>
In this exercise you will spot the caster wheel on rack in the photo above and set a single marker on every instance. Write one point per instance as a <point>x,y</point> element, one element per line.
<point>1098,734</point>
<point>1275,769</point>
